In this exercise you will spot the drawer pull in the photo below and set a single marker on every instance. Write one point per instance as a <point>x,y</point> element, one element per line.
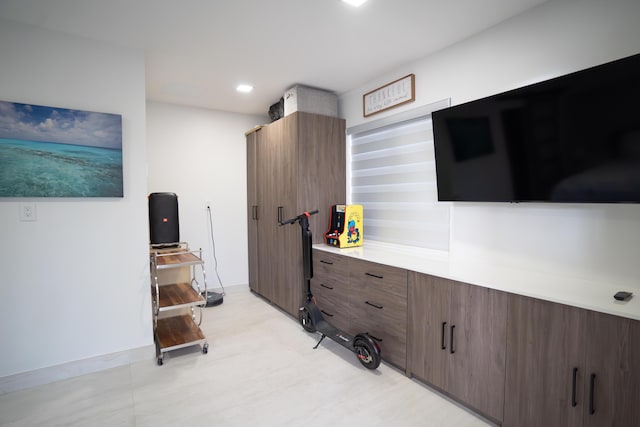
<point>328,314</point>
<point>374,275</point>
<point>326,286</point>
<point>326,262</point>
<point>374,305</point>
<point>442,343</point>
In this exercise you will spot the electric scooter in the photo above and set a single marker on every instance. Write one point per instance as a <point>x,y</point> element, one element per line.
<point>311,317</point>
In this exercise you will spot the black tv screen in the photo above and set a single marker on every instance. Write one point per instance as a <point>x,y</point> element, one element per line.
<point>572,139</point>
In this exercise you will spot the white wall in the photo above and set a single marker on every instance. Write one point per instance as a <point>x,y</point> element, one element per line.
<point>201,156</point>
<point>74,284</point>
<point>594,242</point>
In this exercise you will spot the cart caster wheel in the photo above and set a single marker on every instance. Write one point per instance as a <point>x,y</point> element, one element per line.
<point>160,361</point>
<point>304,316</point>
<point>205,348</point>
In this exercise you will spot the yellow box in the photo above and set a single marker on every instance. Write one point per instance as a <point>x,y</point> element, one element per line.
<point>346,226</point>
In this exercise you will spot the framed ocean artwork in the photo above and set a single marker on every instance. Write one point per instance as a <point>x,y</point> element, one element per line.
<point>58,152</point>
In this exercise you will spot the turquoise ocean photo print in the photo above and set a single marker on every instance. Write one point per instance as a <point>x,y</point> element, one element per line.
<point>58,152</point>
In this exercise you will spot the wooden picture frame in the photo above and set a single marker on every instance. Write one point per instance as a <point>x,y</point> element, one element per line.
<point>391,95</point>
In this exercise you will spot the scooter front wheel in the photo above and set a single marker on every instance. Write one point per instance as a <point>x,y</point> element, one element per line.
<point>367,352</point>
<point>304,316</point>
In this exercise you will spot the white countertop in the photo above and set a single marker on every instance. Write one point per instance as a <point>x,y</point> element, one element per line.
<point>547,286</point>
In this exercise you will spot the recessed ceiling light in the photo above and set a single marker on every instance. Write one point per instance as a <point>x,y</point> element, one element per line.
<point>356,3</point>
<point>244,88</point>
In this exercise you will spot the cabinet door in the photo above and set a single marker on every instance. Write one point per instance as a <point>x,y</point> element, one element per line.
<point>287,243</point>
<point>268,183</point>
<point>252,209</point>
<point>613,360</point>
<point>477,346</point>
<point>322,167</point>
<point>545,344</point>
<point>427,338</point>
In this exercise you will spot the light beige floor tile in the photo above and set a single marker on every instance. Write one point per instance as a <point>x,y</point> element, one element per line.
<point>261,370</point>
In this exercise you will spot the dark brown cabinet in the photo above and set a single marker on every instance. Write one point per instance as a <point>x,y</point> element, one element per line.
<point>612,380</point>
<point>294,164</point>
<point>252,208</point>
<point>359,296</point>
<point>456,340</point>
<point>379,307</point>
<point>331,288</point>
<point>569,366</point>
<point>545,375</point>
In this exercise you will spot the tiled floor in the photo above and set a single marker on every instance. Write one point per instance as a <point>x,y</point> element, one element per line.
<point>261,370</point>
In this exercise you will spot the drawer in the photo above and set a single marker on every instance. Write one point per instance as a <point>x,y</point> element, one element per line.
<point>381,316</point>
<point>333,305</point>
<point>331,266</point>
<point>327,296</point>
<point>332,283</point>
<point>367,276</point>
<point>384,317</point>
<point>388,327</point>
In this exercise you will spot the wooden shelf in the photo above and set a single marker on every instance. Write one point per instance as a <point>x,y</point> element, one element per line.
<point>177,332</point>
<point>178,295</point>
<point>177,259</point>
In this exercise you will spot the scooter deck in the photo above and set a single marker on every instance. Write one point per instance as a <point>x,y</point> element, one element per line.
<point>335,334</point>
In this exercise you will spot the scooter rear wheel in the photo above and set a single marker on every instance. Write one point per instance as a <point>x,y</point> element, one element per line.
<point>368,354</point>
<point>304,316</point>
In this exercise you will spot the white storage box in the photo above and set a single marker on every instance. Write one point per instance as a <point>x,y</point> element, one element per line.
<point>310,100</point>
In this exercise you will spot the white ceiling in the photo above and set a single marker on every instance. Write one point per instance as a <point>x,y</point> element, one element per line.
<point>197,51</point>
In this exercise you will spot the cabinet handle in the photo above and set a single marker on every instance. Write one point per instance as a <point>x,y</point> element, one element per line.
<point>255,212</point>
<point>280,216</point>
<point>374,275</point>
<point>374,305</point>
<point>451,350</point>
<point>592,386</point>
<point>442,343</point>
<point>573,388</point>
<point>326,262</point>
<point>328,314</point>
<point>326,286</point>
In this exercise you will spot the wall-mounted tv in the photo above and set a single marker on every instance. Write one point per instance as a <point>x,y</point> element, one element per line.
<point>572,139</point>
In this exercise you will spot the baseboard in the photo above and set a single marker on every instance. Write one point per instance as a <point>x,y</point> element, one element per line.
<point>50,374</point>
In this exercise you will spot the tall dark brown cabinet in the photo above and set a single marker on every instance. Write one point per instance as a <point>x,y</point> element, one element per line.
<point>295,164</point>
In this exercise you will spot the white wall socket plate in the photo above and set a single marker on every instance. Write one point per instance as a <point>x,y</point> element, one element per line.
<point>28,212</point>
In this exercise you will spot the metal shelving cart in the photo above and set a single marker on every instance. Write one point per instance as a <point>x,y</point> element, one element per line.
<point>177,299</point>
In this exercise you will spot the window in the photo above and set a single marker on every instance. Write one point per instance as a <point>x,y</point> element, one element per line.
<point>392,174</point>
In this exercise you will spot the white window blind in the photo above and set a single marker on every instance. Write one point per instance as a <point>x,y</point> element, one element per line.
<point>393,176</point>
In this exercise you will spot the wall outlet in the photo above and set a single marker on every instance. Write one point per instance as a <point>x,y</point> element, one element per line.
<point>28,212</point>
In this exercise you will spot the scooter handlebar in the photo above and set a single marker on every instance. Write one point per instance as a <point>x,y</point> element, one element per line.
<point>299,217</point>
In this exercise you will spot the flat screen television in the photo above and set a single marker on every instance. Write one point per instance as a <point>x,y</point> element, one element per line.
<point>572,139</point>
